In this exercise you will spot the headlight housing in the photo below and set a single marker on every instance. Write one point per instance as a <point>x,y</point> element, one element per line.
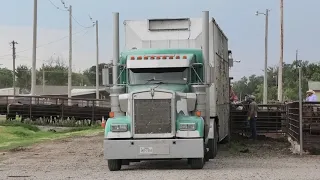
<point>119,127</point>
<point>187,126</point>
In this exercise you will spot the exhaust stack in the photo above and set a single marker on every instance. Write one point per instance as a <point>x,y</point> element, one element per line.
<point>205,52</point>
<point>205,45</point>
<point>116,47</point>
<point>115,90</point>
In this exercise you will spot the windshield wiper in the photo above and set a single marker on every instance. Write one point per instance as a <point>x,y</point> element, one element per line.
<point>160,82</point>
<point>153,79</point>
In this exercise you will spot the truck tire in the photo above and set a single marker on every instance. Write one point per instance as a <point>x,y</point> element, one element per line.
<point>213,144</point>
<point>197,163</point>
<point>114,164</point>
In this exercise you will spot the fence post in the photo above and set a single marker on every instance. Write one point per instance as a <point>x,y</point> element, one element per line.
<point>93,108</point>
<point>62,110</point>
<point>30,108</point>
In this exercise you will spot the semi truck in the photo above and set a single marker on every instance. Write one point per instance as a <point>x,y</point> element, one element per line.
<point>169,92</point>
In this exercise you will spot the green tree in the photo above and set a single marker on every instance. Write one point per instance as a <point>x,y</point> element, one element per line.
<point>5,78</point>
<point>91,74</point>
<point>254,84</point>
<point>23,77</point>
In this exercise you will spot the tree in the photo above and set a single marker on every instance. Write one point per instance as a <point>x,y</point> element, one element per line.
<point>91,74</point>
<point>23,75</point>
<point>254,84</point>
<point>5,78</point>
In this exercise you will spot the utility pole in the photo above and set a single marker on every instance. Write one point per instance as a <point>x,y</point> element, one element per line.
<point>43,79</point>
<point>70,56</point>
<point>97,63</point>
<point>280,83</point>
<point>265,81</point>
<point>13,43</point>
<point>34,52</point>
<point>300,106</point>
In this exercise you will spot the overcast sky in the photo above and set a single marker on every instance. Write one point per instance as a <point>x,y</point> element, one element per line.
<point>237,19</point>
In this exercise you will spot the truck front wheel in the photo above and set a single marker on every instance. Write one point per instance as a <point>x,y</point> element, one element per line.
<point>114,164</point>
<point>197,163</point>
<point>213,144</point>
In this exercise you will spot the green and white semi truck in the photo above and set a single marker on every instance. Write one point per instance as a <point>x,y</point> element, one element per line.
<point>169,92</point>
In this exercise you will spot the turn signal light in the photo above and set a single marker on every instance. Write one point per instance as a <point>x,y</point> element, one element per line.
<point>111,114</point>
<point>198,113</point>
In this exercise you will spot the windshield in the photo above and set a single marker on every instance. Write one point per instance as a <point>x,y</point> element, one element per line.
<point>158,75</point>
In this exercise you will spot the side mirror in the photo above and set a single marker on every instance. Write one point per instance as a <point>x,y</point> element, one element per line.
<point>106,76</point>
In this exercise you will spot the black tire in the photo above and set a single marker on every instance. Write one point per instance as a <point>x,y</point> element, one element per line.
<point>114,164</point>
<point>213,144</point>
<point>197,163</point>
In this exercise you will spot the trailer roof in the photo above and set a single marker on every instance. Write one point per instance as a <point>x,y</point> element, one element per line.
<point>196,52</point>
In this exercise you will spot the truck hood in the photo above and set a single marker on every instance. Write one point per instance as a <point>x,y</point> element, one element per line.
<point>173,87</point>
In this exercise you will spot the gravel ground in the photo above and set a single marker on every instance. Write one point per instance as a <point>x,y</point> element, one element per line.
<point>82,158</point>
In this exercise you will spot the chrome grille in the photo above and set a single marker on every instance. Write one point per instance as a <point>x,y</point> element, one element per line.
<point>152,116</point>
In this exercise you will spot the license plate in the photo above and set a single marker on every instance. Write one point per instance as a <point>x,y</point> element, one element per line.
<point>146,150</point>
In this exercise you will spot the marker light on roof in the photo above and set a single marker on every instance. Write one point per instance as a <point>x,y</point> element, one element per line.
<point>139,57</point>
<point>170,57</point>
<point>132,58</point>
<point>152,57</point>
<point>177,57</point>
<point>145,57</point>
<point>184,57</point>
<point>158,57</point>
<point>164,57</point>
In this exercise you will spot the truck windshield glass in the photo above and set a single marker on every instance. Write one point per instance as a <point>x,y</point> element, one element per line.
<point>156,75</point>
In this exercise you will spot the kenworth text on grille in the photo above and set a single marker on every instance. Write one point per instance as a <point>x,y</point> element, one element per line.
<point>169,92</point>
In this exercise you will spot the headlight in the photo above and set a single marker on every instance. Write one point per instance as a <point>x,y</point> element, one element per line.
<point>119,127</point>
<point>188,126</point>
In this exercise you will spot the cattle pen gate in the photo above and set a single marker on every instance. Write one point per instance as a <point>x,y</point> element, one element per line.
<point>282,119</point>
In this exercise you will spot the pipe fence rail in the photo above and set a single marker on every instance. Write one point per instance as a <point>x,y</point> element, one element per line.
<point>54,110</point>
<point>271,118</point>
<point>282,118</point>
<point>310,124</point>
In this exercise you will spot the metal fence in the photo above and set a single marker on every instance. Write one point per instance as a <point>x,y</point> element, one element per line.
<point>310,124</point>
<point>271,118</point>
<point>53,109</point>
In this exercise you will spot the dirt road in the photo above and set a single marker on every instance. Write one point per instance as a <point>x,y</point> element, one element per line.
<point>82,158</point>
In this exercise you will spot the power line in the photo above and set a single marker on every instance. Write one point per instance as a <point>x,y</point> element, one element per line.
<point>57,6</point>
<point>81,24</point>
<point>45,44</point>
<point>67,9</point>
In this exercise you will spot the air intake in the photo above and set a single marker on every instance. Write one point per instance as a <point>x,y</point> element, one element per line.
<point>179,24</point>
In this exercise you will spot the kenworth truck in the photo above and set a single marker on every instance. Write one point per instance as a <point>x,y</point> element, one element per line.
<point>169,92</point>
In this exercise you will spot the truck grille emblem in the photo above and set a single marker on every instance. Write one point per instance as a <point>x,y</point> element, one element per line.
<point>152,92</point>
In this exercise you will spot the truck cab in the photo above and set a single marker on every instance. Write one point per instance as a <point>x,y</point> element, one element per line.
<point>163,104</point>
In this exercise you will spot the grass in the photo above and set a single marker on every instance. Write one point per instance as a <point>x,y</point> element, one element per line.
<point>14,135</point>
